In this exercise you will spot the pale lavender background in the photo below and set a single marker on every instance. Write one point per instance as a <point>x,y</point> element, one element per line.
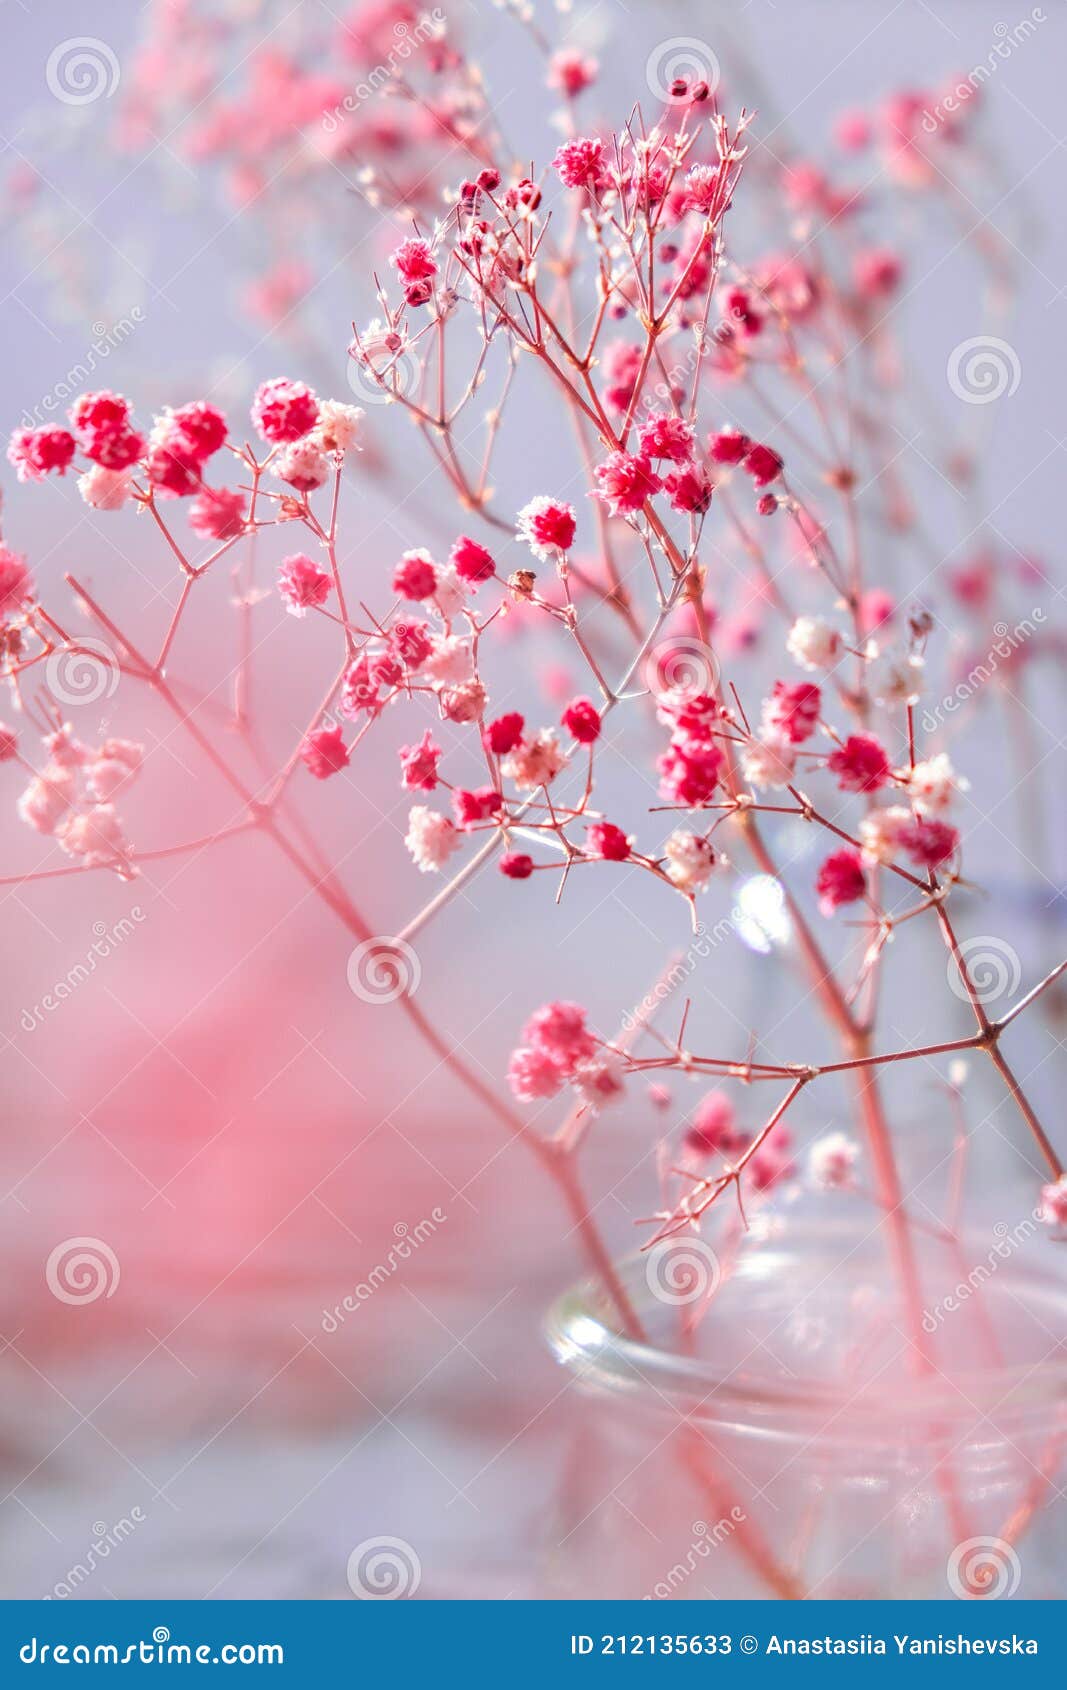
<point>276,1461</point>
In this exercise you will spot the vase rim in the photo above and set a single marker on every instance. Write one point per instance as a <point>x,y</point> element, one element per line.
<point>583,1332</point>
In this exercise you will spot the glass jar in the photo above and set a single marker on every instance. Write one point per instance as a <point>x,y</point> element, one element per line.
<point>785,1432</point>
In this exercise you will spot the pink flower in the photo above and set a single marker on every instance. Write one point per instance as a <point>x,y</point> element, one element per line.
<point>36,452</point>
<point>284,410</point>
<point>303,464</point>
<point>504,734</point>
<point>418,764</point>
<point>100,413</point>
<point>1054,1202</point>
<point>471,562</point>
<point>762,464</point>
<point>516,865</point>
<point>473,807</point>
<point>841,880</point>
<point>115,450</point>
<point>666,436</point>
<point>729,446</point>
<point>580,164</point>
<point>547,526</point>
<point>47,798</point>
<point>560,1031</point>
<point>201,426</point>
<point>860,765</point>
<point>690,773</point>
<point>114,767</point>
<point>431,838</point>
<point>532,1075</point>
<point>173,466</point>
<point>605,840</point>
<point>690,715</point>
<point>94,836</point>
<point>582,721</point>
<point>302,585</point>
<point>625,483</point>
<point>793,710</point>
<point>415,576</point>
<point>714,1125</point>
<point>101,424</point>
<point>571,71</point>
<point>412,642</point>
<point>690,489</point>
<point>876,272</point>
<point>928,842</point>
<point>16,585</point>
<point>9,743</point>
<point>414,261</point>
<point>324,752</point>
<point>217,513</point>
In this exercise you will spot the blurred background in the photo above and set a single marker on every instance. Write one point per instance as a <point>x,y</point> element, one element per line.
<point>247,1137</point>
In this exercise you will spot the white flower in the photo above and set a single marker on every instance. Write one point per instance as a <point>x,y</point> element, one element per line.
<point>431,838</point>
<point>690,860</point>
<point>47,798</point>
<point>338,426</point>
<point>450,593</point>
<point>535,762</point>
<point>897,681</point>
<point>450,663</point>
<point>302,463</point>
<point>933,784</point>
<point>767,762</point>
<point>831,1161</point>
<point>598,1081</point>
<point>95,837</point>
<point>105,489</point>
<point>880,833</point>
<point>814,644</point>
